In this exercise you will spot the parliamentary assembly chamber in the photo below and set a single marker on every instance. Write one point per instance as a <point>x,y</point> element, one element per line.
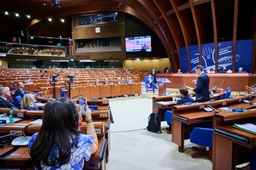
<point>107,49</point>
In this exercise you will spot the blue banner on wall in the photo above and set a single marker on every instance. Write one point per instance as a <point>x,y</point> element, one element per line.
<point>243,56</point>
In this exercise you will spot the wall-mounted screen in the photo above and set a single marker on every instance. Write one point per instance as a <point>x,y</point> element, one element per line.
<point>138,44</point>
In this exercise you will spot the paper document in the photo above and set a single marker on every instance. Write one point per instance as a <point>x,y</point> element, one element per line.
<point>248,127</point>
<point>167,103</point>
<point>37,121</point>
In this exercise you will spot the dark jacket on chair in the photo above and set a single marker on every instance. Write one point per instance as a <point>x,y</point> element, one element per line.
<point>202,88</point>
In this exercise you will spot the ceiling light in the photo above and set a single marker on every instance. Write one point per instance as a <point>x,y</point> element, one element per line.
<point>28,16</point>
<point>6,13</point>
<point>62,20</point>
<point>49,19</point>
<point>17,15</point>
<point>44,4</point>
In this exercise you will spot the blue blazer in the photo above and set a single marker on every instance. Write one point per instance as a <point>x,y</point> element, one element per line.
<point>202,88</point>
<point>18,92</point>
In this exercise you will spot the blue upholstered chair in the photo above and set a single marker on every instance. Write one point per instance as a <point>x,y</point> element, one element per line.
<point>168,117</point>
<point>202,136</point>
<point>253,162</point>
<point>148,88</point>
<point>93,107</point>
<point>17,100</point>
<point>226,94</point>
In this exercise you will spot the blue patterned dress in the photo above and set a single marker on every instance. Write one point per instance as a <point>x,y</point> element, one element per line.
<point>79,154</point>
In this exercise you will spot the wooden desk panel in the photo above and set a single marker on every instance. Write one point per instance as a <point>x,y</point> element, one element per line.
<point>74,91</point>
<point>21,159</point>
<point>231,80</point>
<point>94,91</point>
<point>126,89</point>
<point>136,88</point>
<point>85,91</point>
<point>115,90</point>
<point>105,91</point>
<point>232,146</point>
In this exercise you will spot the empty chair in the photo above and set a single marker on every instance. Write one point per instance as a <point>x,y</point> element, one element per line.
<point>202,136</point>
<point>93,107</point>
<point>168,117</point>
<point>226,94</point>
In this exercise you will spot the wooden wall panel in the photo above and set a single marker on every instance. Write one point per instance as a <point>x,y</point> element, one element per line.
<point>147,65</point>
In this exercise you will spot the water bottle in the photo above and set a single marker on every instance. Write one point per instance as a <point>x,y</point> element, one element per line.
<point>11,117</point>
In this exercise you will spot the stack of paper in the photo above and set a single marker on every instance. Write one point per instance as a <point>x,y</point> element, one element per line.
<point>248,127</point>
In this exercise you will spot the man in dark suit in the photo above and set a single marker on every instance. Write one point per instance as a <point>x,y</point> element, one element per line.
<point>20,91</point>
<point>153,73</point>
<point>4,102</point>
<point>202,85</point>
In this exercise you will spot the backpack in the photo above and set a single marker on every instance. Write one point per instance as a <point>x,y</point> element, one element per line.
<point>154,123</point>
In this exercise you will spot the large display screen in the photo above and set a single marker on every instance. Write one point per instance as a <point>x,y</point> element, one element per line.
<point>138,44</point>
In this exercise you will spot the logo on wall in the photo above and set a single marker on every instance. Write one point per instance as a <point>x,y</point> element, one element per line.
<point>243,56</point>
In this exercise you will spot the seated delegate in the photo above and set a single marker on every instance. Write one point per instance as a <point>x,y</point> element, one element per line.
<point>60,144</point>
<point>184,98</point>
<point>150,83</point>
<point>4,101</point>
<point>28,102</point>
<point>20,91</point>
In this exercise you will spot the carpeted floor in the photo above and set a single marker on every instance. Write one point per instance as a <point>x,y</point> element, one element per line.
<point>134,148</point>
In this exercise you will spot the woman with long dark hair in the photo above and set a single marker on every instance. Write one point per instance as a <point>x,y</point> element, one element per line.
<point>59,143</point>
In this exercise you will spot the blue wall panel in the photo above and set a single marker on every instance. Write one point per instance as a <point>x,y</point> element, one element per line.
<point>243,56</point>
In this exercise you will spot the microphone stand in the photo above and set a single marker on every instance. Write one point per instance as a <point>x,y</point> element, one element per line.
<point>54,89</point>
<point>215,110</point>
<point>69,95</point>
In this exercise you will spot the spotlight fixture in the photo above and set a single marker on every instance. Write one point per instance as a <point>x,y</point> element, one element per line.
<point>49,19</point>
<point>28,16</point>
<point>17,15</point>
<point>6,13</point>
<point>62,20</point>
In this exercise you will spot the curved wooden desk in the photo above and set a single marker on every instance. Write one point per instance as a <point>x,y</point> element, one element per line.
<point>236,81</point>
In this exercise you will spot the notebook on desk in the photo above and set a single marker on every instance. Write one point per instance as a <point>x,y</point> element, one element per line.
<point>248,127</point>
<point>167,103</point>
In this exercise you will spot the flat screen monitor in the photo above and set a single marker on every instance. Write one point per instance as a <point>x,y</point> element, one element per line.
<point>138,44</point>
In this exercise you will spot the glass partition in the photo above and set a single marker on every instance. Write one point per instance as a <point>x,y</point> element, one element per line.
<point>32,49</point>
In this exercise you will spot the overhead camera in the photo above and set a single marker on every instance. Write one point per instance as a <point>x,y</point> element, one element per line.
<point>54,77</point>
<point>71,78</point>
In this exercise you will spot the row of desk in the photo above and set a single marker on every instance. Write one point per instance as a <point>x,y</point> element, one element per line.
<point>230,145</point>
<point>236,81</point>
<point>18,157</point>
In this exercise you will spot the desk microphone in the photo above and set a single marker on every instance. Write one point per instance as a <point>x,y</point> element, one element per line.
<point>18,141</point>
<point>80,95</point>
<point>209,108</point>
<point>247,99</point>
<point>237,94</point>
<point>219,89</point>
